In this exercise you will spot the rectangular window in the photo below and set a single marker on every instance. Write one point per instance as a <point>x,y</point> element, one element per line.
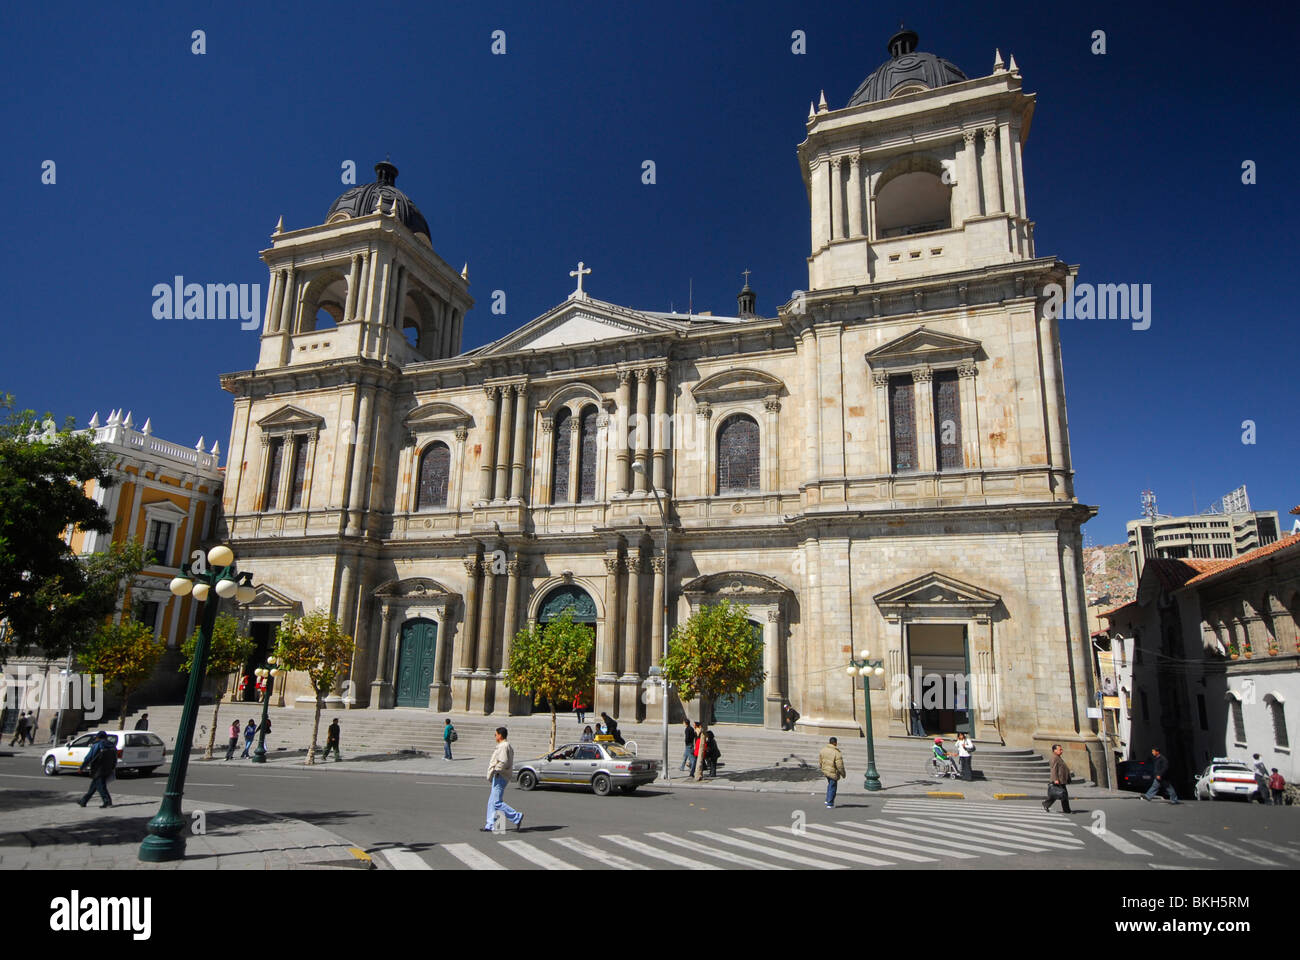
<point>158,540</point>
<point>299,471</point>
<point>947,421</point>
<point>1238,722</point>
<point>148,613</point>
<point>276,454</point>
<point>1278,711</point>
<point>902,424</point>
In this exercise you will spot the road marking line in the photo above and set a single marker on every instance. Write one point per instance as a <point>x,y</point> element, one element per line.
<point>893,828</point>
<point>1025,830</point>
<point>600,856</point>
<point>726,855</point>
<point>836,841</point>
<point>1040,816</point>
<point>1264,844</point>
<point>1120,844</point>
<point>649,851</point>
<point>769,852</point>
<point>530,853</point>
<point>1235,852</point>
<point>274,776</point>
<point>405,860</point>
<point>889,842</point>
<point>1174,845</point>
<point>1173,866</point>
<point>968,832</point>
<point>997,833</point>
<point>821,851</point>
<point>471,857</point>
<point>999,807</point>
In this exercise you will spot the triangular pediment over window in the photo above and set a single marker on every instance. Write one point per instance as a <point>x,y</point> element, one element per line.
<point>934,590</point>
<point>923,346</point>
<point>270,604</point>
<point>291,418</point>
<point>578,322</point>
<point>737,384</point>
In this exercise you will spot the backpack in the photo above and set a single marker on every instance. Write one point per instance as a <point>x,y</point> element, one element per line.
<point>454,735</point>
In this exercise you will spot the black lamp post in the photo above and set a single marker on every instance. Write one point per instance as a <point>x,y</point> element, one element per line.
<point>268,674</point>
<point>865,667</point>
<point>202,576</point>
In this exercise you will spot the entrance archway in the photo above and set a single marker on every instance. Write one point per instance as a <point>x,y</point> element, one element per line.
<point>583,608</point>
<point>415,662</point>
<point>745,708</point>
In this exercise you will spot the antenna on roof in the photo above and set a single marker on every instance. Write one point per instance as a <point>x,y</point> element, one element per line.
<point>690,303</point>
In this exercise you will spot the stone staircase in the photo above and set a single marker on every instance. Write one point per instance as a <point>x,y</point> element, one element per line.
<point>744,748</point>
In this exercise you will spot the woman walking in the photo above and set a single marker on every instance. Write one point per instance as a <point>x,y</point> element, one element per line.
<point>964,750</point>
<point>234,739</point>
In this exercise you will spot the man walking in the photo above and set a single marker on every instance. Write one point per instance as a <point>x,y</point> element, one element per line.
<point>143,722</point>
<point>100,763</point>
<point>448,736</point>
<point>1161,780</point>
<point>831,762</point>
<point>250,731</point>
<point>500,768</point>
<point>20,730</point>
<point>332,741</point>
<point>1059,788</point>
<point>1262,791</point>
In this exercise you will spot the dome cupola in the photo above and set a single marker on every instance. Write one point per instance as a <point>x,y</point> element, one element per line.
<point>906,71</point>
<point>362,201</point>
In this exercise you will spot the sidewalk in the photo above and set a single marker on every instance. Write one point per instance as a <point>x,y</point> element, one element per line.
<point>46,830</point>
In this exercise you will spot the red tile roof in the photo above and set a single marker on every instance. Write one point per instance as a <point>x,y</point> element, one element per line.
<point>1122,606</point>
<point>1259,553</point>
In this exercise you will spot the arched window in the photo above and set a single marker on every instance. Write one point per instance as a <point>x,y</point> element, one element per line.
<point>435,468</point>
<point>738,459</point>
<point>560,462</point>
<point>587,456</point>
<point>917,201</point>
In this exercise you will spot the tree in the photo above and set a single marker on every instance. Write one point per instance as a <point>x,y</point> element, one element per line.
<point>316,645</point>
<point>552,661</point>
<point>711,655</point>
<point>227,652</point>
<point>125,654</point>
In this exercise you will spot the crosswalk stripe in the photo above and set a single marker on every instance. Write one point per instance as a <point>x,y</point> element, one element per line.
<point>471,857</point>
<point>804,845</point>
<point>539,857</point>
<point>405,860</point>
<point>1271,848</point>
<point>726,855</point>
<point>1119,843</point>
<point>1040,819</point>
<point>967,832</point>
<point>1034,809</point>
<point>1174,845</point>
<point>893,829</point>
<point>650,851</point>
<point>769,852</point>
<point>890,842</point>
<point>1008,835</point>
<point>600,856</point>
<point>837,841</point>
<point>1235,851</point>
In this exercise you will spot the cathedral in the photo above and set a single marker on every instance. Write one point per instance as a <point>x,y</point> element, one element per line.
<point>883,463</point>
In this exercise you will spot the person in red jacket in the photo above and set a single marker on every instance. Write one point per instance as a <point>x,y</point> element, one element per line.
<point>1277,786</point>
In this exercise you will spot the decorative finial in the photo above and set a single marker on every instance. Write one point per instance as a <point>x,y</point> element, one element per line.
<point>379,202</point>
<point>147,429</point>
<point>998,65</point>
<point>579,273</point>
<point>199,446</point>
<point>821,104</point>
<point>1012,65</point>
<point>464,271</point>
<point>279,226</point>
<point>812,111</point>
<point>94,421</point>
<point>129,422</point>
<point>216,448</point>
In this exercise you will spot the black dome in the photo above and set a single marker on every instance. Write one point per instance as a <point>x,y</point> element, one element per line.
<point>905,66</point>
<point>360,201</point>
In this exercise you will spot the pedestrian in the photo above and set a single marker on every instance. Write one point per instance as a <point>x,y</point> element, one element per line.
<point>831,762</point>
<point>611,728</point>
<point>100,763</point>
<point>711,753</point>
<point>918,728</point>
<point>587,735</point>
<point>1160,781</point>
<point>1277,784</point>
<point>695,748</point>
<point>332,741</point>
<point>234,739</point>
<point>264,728</point>
<point>54,727</point>
<point>579,707</point>
<point>789,715</point>
<point>1059,788</point>
<point>448,738</point>
<point>143,722</point>
<point>1262,792</point>
<point>964,750</point>
<point>243,687</point>
<point>31,729</point>
<point>500,768</point>
<point>690,746</point>
<point>250,731</point>
<point>20,730</point>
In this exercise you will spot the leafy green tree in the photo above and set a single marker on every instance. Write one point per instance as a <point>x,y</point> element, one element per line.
<point>228,650</point>
<point>552,661</point>
<point>316,645</point>
<point>125,654</point>
<point>714,654</point>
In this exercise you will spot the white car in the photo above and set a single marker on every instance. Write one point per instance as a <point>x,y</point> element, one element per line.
<point>1225,778</point>
<point>137,750</point>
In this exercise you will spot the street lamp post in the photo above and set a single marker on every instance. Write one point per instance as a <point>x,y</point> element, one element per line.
<point>639,467</point>
<point>267,674</point>
<point>202,576</point>
<point>865,667</point>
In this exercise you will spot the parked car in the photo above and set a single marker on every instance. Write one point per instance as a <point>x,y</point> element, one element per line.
<point>137,750</point>
<point>1134,775</point>
<point>1225,778</point>
<point>604,767</point>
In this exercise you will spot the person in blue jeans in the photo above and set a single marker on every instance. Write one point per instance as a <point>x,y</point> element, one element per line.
<point>249,732</point>
<point>831,762</point>
<point>688,755</point>
<point>500,767</point>
<point>1160,781</point>
<point>448,731</point>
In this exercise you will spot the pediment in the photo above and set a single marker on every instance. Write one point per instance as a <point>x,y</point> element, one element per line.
<point>923,345</point>
<point>935,590</point>
<point>578,323</point>
<point>271,601</point>
<point>738,585</point>
<point>290,417</point>
<point>163,510</point>
<point>413,588</point>
<point>430,417</point>
<point>737,384</point>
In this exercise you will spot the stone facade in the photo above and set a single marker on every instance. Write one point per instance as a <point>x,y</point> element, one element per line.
<point>884,463</point>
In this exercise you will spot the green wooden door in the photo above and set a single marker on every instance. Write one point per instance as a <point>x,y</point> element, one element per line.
<point>747,708</point>
<point>415,666</point>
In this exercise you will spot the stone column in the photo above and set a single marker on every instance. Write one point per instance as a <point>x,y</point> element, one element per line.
<point>660,468</point>
<point>287,310</point>
<point>271,322</point>
<point>900,717</point>
<point>837,199</point>
<point>868,198</point>
<point>546,462</point>
<point>660,566</point>
<point>489,445</point>
<point>381,689</point>
<point>970,189</point>
<point>353,276</point>
<point>437,701</point>
<point>985,687</point>
<point>1010,202</point>
<point>517,491</point>
<point>456,473</point>
<point>469,634</point>
<point>607,644</point>
<point>923,398</point>
<point>970,434</point>
<point>399,301</point>
<point>621,452</point>
<point>574,440</point>
<point>510,625</point>
<point>855,196</point>
<point>487,617</point>
<point>643,424</point>
<point>772,660</point>
<point>989,172</point>
<point>629,682</point>
<point>501,486</point>
<point>772,482</point>
<point>358,488</point>
<point>812,408</point>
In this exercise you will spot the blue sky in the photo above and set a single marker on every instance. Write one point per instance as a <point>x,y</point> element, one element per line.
<point>173,163</point>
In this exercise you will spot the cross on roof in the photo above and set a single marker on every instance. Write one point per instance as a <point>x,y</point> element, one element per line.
<point>579,273</point>
<point>746,273</point>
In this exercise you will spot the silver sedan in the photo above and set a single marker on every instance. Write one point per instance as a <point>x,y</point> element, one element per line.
<point>604,767</point>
